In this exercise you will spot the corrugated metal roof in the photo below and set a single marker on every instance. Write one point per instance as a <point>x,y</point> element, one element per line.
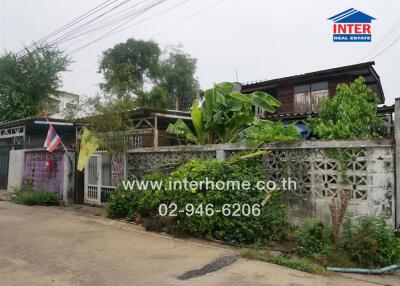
<point>30,118</point>
<point>250,84</point>
<point>381,109</point>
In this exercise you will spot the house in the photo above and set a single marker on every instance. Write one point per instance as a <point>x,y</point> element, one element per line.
<point>24,160</point>
<point>62,105</point>
<point>300,94</point>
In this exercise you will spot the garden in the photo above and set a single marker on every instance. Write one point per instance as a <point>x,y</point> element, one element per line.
<point>224,115</point>
<point>257,219</point>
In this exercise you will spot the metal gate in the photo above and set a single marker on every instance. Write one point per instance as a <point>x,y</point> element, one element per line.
<point>98,179</point>
<point>4,158</point>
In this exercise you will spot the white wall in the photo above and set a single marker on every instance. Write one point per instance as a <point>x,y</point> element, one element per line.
<point>15,169</point>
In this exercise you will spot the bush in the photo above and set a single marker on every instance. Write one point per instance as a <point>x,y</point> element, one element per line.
<point>30,197</point>
<point>127,203</point>
<point>370,244</point>
<point>313,239</point>
<point>351,114</point>
<point>271,224</point>
<point>123,204</point>
<point>263,131</point>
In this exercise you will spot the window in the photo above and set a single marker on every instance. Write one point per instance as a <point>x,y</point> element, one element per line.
<point>70,106</point>
<point>308,97</point>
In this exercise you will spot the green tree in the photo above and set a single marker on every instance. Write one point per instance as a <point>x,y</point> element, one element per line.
<point>109,118</point>
<point>178,79</point>
<point>130,68</point>
<point>223,115</point>
<point>351,114</point>
<point>157,97</point>
<point>27,80</point>
<point>127,66</point>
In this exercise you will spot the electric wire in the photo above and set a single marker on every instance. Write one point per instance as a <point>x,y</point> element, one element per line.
<point>70,23</point>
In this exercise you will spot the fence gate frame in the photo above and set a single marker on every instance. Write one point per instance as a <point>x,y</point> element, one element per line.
<point>93,191</point>
<point>98,178</point>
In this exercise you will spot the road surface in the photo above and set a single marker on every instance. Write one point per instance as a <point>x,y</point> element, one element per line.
<point>73,246</point>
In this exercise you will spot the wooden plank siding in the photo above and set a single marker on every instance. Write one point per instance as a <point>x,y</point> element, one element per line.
<point>283,88</point>
<point>292,103</point>
<point>285,96</point>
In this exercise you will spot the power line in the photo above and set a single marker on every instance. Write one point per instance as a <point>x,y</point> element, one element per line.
<point>90,21</point>
<point>383,39</point>
<point>115,30</point>
<point>81,72</point>
<point>72,22</point>
<point>189,17</point>
<point>170,27</point>
<point>97,27</point>
<point>387,48</point>
<point>109,33</point>
<point>151,17</point>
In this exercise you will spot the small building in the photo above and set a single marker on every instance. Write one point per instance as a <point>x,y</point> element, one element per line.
<point>63,105</point>
<point>103,171</point>
<point>25,162</point>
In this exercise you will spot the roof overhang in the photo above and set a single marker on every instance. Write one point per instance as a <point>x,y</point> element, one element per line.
<point>363,69</point>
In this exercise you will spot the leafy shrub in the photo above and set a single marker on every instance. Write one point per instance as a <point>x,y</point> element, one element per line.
<point>127,203</point>
<point>30,197</point>
<point>372,243</point>
<point>351,114</point>
<point>263,131</point>
<point>222,115</point>
<point>271,224</point>
<point>122,203</point>
<point>312,239</point>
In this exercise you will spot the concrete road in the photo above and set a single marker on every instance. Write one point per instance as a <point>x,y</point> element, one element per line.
<point>55,246</point>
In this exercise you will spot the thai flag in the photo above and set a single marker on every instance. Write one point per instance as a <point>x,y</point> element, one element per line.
<point>52,140</point>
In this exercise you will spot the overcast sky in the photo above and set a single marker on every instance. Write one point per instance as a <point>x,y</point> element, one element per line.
<point>260,39</point>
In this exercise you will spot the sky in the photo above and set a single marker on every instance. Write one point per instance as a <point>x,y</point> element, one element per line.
<point>248,40</point>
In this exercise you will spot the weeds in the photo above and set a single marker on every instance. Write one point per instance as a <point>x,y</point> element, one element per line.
<point>30,197</point>
<point>287,261</point>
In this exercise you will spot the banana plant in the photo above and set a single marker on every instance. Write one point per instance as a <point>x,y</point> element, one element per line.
<point>222,114</point>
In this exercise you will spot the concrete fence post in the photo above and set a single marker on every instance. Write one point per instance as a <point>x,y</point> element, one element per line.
<point>396,128</point>
<point>220,154</point>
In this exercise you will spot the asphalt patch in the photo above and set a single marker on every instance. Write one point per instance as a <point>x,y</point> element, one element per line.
<point>211,267</point>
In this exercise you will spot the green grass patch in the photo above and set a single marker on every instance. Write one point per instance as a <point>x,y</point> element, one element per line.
<point>31,197</point>
<point>287,261</point>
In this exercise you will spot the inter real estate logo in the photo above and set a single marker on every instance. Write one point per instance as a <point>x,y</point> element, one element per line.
<point>351,26</point>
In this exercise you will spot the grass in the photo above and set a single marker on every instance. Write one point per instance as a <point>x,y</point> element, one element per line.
<point>287,261</point>
<point>35,197</point>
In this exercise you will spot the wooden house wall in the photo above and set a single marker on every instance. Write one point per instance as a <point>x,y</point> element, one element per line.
<point>285,94</point>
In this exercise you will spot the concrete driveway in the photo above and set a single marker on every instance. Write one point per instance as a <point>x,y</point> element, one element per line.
<point>67,246</point>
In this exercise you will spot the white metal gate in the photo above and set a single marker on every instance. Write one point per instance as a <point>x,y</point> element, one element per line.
<point>98,179</point>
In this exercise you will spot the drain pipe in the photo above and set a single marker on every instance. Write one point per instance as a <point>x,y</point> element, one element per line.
<point>364,270</point>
